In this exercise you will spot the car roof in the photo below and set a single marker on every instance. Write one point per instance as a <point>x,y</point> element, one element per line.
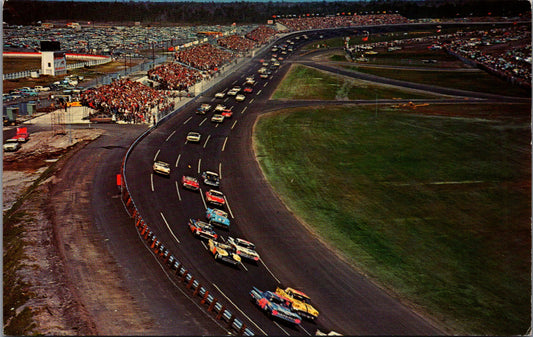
<point>298,292</point>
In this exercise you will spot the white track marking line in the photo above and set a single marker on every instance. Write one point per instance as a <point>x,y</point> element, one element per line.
<point>220,170</point>
<point>178,190</point>
<point>173,132</point>
<point>216,125</point>
<point>207,139</point>
<point>258,93</point>
<point>234,123</point>
<point>224,145</point>
<point>279,326</point>
<point>242,264</point>
<point>265,84</point>
<point>203,200</point>
<point>187,121</point>
<point>304,330</point>
<point>152,181</point>
<point>251,101</point>
<point>166,223</point>
<point>203,244</point>
<point>199,163</point>
<point>157,154</point>
<point>271,273</point>
<point>242,312</point>
<point>229,208</point>
<point>202,122</point>
<point>244,109</point>
<point>178,160</point>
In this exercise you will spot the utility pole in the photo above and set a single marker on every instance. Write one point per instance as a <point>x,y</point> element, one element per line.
<point>124,51</point>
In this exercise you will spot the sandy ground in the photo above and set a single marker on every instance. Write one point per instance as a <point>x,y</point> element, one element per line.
<point>56,310</point>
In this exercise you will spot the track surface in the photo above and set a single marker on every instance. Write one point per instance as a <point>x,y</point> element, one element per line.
<point>290,254</point>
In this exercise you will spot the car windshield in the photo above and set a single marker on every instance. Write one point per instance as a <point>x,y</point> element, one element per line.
<point>300,298</point>
<point>211,176</point>
<point>217,193</point>
<point>246,244</point>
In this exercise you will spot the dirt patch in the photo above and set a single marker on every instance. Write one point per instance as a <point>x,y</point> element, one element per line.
<point>38,298</point>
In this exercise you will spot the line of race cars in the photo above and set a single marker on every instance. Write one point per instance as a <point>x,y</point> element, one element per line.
<point>288,305</point>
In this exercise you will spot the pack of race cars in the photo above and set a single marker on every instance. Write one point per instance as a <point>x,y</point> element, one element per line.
<point>288,305</point>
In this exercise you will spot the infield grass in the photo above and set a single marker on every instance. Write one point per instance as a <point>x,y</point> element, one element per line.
<point>436,208</point>
<point>464,80</point>
<point>307,83</point>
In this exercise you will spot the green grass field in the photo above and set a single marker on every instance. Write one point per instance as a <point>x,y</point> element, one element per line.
<point>307,83</point>
<point>436,208</point>
<point>464,80</point>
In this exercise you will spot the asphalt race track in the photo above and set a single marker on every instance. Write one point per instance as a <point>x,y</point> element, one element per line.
<point>290,254</point>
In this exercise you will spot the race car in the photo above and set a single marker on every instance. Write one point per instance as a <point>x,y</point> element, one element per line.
<point>301,303</point>
<point>220,107</point>
<point>250,80</point>
<point>220,95</point>
<point>224,253</point>
<point>232,92</point>
<point>227,113</point>
<point>203,109</point>
<point>245,249</point>
<point>275,306</point>
<point>190,183</point>
<point>194,137</point>
<point>211,178</point>
<point>240,98</point>
<point>217,118</point>
<point>217,217</point>
<point>202,230</point>
<point>248,90</point>
<point>161,167</point>
<point>215,197</point>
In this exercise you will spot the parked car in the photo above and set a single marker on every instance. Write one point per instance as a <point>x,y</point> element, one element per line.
<point>11,145</point>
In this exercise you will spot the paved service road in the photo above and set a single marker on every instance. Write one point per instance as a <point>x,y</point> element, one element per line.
<point>291,255</point>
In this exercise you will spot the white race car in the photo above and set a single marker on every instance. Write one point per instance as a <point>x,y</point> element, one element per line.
<point>161,167</point>
<point>245,249</point>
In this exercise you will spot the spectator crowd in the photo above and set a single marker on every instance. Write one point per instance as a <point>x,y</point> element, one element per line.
<point>204,57</point>
<point>261,34</point>
<point>236,43</point>
<point>174,76</point>
<point>128,100</point>
<point>304,23</point>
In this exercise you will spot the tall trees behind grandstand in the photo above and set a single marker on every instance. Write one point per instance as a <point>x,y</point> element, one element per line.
<point>26,12</point>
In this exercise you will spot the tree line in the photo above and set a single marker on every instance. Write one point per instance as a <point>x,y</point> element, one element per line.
<point>28,12</point>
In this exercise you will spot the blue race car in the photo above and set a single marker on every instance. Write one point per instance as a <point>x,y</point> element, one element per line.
<point>217,217</point>
<point>275,306</point>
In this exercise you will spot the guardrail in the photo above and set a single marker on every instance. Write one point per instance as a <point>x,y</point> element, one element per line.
<point>172,262</point>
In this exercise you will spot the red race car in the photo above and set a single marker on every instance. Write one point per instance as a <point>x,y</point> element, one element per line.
<point>190,183</point>
<point>215,197</point>
<point>227,113</point>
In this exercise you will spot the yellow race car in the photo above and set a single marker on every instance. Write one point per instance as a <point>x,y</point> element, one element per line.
<point>223,252</point>
<point>301,303</point>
